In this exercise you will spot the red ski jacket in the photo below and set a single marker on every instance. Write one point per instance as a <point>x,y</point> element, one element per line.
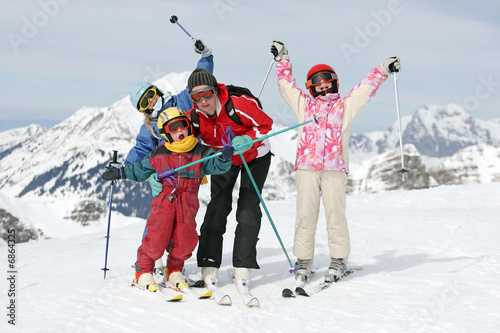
<point>255,123</point>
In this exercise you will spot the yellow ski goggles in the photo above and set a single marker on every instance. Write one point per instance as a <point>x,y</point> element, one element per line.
<point>146,99</point>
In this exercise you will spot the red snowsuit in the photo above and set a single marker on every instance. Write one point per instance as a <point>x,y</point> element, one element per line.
<point>174,210</point>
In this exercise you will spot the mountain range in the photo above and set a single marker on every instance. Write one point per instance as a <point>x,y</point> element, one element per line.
<point>442,145</point>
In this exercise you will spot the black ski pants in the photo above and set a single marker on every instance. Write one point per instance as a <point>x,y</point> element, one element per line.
<point>248,215</point>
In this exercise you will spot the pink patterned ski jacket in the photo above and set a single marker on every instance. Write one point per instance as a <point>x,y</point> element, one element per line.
<point>325,145</point>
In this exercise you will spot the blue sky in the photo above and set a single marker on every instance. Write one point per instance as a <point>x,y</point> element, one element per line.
<point>60,55</point>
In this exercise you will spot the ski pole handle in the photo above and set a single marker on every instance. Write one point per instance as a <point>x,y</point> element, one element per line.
<point>166,173</point>
<point>114,162</point>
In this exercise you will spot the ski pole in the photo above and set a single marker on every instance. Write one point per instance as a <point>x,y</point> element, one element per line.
<point>230,135</point>
<point>114,163</point>
<point>265,79</point>
<point>199,44</point>
<point>403,170</point>
<point>267,212</point>
<point>169,172</point>
<point>175,20</point>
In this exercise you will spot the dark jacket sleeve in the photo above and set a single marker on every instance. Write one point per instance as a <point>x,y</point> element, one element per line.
<point>140,171</point>
<point>216,166</point>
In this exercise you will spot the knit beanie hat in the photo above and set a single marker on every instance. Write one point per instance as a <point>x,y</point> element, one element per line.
<point>201,77</point>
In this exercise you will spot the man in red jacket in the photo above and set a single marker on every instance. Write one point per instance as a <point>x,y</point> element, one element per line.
<point>209,100</point>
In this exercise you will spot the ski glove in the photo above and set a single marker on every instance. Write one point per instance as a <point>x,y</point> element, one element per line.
<point>156,185</point>
<point>227,152</point>
<point>201,48</point>
<point>391,66</point>
<point>114,173</point>
<point>279,51</point>
<point>240,140</point>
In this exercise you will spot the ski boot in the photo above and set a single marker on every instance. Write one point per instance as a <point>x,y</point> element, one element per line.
<point>336,270</point>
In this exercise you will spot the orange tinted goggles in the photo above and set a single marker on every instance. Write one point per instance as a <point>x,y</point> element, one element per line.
<point>321,76</point>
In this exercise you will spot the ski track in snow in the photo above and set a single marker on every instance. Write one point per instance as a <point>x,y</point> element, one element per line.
<point>430,262</point>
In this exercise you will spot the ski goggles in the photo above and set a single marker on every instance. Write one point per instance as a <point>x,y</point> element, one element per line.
<point>321,76</point>
<point>176,124</point>
<point>146,99</point>
<point>204,94</point>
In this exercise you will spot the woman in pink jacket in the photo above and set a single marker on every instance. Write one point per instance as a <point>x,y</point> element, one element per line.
<point>322,160</point>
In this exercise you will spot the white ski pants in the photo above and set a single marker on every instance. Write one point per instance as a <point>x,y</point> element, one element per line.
<point>311,186</point>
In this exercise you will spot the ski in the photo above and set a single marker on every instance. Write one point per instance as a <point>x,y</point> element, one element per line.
<point>219,297</point>
<point>195,284</point>
<point>314,289</point>
<point>287,293</point>
<point>163,293</point>
<point>248,299</point>
<point>299,283</point>
<point>185,290</point>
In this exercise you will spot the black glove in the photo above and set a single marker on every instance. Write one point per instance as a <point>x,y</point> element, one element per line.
<point>114,173</point>
<point>391,66</point>
<point>201,48</point>
<point>227,153</point>
<point>279,51</point>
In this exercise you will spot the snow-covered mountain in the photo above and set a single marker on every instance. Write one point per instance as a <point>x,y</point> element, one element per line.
<point>443,145</point>
<point>11,139</point>
<point>435,131</point>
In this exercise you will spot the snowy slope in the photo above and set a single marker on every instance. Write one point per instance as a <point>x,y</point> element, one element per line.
<point>430,259</point>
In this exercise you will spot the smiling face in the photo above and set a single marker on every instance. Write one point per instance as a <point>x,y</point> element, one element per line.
<point>323,85</point>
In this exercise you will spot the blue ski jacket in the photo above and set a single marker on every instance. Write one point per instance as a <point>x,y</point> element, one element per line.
<point>145,141</point>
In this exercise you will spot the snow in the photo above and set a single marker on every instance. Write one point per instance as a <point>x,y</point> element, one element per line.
<point>430,262</point>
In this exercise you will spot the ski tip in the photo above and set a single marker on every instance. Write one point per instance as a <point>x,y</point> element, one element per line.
<point>198,284</point>
<point>287,293</point>
<point>300,291</point>
<point>205,295</point>
<point>226,300</point>
<point>176,298</point>
<point>253,303</point>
